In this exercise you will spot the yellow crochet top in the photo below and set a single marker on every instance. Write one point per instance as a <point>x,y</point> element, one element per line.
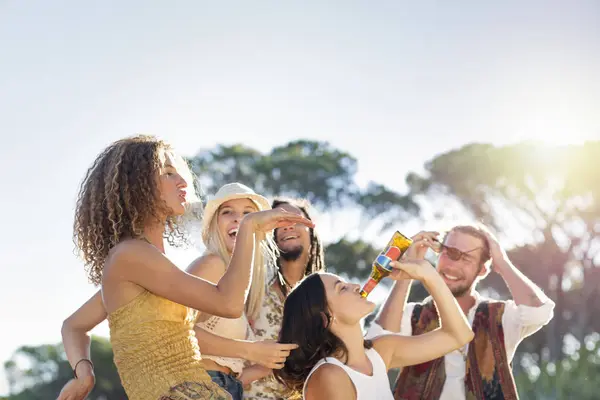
<point>156,351</point>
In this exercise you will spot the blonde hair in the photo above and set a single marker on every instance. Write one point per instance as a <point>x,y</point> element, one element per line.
<point>265,254</point>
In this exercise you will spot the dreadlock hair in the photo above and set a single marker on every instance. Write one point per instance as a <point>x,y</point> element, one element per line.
<point>119,196</point>
<point>316,259</point>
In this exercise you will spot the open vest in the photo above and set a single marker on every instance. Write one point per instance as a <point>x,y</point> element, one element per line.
<point>488,372</point>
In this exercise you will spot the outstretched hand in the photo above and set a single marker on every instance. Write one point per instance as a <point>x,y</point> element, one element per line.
<point>269,353</point>
<point>265,221</point>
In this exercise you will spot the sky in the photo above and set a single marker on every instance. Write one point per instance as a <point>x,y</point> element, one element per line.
<point>391,82</point>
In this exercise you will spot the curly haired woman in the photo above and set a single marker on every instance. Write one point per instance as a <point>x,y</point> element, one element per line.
<point>130,199</point>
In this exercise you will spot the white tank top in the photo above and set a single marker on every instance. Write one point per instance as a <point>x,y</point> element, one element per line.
<point>230,328</point>
<point>374,387</point>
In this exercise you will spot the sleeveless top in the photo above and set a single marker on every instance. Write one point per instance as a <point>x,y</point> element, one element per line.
<point>230,328</point>
<point>156,351</point>
<point>374,387</point>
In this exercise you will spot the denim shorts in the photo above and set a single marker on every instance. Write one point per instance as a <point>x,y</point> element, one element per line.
<point>229,383</point>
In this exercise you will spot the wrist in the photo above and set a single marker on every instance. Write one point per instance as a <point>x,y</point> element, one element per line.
<point>247,350</point>
<point>431,277</point>
<point>247,224</point>
<point>83,369</point>
<point>402,283</point>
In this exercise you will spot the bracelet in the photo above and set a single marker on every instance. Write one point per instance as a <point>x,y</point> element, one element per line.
<point>75,368</point>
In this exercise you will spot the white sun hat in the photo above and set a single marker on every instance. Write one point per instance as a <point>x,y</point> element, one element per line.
<point>228,192</point>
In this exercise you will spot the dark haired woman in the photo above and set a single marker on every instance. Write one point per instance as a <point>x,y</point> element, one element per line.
<point>333,361</point>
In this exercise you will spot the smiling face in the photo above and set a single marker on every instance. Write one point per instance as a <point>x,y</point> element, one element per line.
<point>293,240</point>
<point>229,215</point>
<point>344,301</point>
<point>461,270</point>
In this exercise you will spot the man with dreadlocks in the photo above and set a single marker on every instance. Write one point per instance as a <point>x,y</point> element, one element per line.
<point>301,254</point>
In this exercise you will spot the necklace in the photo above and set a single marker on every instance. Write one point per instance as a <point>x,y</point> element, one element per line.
<point>284,282</point>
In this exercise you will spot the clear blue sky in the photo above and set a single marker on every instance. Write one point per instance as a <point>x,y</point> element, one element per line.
<point>392,82</point>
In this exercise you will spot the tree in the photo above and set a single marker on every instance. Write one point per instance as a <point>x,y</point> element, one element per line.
<point>313,170</point>
<point>40,372</point>
<point>352,259</point>
<point>572,377</point>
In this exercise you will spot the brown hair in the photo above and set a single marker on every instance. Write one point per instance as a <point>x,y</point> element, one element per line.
<point>118,197</point>
<point>306,322</point>
<point>478,232</point>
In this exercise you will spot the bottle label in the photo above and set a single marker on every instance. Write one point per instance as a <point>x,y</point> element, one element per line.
<point>371,283</point>
<point>384,262</point>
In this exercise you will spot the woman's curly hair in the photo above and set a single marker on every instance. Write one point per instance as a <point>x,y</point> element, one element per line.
<point>118,197</point>
<point>306,320</point>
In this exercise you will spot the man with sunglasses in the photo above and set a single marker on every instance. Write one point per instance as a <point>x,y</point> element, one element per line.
<point>483,368</point>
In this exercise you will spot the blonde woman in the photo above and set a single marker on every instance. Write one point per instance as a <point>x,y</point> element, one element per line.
<point>225,341</point>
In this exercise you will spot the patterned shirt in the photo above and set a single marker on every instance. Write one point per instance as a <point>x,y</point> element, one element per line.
<point>267,326</point>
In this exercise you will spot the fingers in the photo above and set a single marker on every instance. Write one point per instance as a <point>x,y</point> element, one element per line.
<point>424,242</point>
<point>275,363</point>
<point>399,265</point>
<point>287,346</point>
<point>291,218</point>
<point>407,265</point>
<point>418,248</point>
<point>279,353</point>
<point>431,235</point>
<point>398,275</point>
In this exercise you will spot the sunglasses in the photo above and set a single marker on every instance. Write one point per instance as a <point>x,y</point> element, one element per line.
<point>455,254</point>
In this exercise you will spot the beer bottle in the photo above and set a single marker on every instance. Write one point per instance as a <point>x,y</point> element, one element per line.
<point>381,266</point>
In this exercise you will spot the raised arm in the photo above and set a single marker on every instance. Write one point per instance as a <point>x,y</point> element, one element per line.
<point>522,289</point>
<point>454,332</point>
<point>76,341</point>
<point>390,316</point>
<point>142,264</point>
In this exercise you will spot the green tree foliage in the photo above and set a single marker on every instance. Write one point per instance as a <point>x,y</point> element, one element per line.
<point>40,372</point>
<point>314,170</point>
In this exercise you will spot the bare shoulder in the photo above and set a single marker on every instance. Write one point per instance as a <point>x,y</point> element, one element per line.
<point>208,266</point>
<point>124,261</point>
<point>128,252</point>
<point>330,382</point>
